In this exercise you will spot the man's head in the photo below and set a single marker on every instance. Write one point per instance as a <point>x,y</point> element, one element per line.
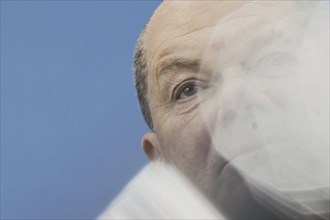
<point>140,63</point>
<point>199,69</point>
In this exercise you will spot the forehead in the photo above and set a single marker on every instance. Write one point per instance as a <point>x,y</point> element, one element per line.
<point>177,19</point>
<point>182,28</point>
<point>181,17</point>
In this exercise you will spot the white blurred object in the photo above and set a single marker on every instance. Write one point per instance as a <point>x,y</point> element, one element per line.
<point>160,192</point>
<point>278,133</point>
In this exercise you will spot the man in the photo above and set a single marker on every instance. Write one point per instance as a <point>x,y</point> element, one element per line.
<point>216,81</point>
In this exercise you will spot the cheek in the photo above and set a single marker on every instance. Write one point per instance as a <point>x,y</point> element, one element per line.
<point>186,143</point>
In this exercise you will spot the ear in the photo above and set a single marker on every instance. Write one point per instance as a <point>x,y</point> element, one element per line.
<point>150,145</point>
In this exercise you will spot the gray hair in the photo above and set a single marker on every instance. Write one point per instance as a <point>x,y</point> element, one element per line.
<point>140,78</point>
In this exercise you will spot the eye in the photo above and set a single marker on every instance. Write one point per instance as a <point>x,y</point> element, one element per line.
<point>277,64</point>
<point>277,59</point>
<point>187,91</point>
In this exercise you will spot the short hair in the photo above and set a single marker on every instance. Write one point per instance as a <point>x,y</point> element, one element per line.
<point>141,78</point>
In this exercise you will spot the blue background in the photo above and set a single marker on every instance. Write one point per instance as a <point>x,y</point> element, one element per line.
<point>70,121</point>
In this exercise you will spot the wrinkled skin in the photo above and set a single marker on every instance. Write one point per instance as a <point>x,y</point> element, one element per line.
<point>198,56</point>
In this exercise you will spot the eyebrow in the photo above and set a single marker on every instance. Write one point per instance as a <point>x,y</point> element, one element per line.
<point>178,63</point>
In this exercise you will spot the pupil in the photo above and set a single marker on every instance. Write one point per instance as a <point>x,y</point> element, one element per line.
<point>189,90</point>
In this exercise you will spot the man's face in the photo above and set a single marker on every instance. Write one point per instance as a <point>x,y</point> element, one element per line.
<point>209,64</point>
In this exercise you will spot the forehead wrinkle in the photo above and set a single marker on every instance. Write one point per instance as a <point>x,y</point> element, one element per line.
<point>178,63</point>
<point>153,54</point>
<point>233,18</point>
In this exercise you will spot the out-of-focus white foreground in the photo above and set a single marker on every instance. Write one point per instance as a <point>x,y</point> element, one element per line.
<point>159,191</point>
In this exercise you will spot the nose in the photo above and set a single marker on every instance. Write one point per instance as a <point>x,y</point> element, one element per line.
<point>238,97</point>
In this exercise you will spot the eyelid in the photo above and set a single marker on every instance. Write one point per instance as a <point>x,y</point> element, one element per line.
<point>275,64</point>
<point>277,58</point>
<point>178,88</point>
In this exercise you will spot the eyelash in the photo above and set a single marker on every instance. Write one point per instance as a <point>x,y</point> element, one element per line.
<point>178,90</point>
